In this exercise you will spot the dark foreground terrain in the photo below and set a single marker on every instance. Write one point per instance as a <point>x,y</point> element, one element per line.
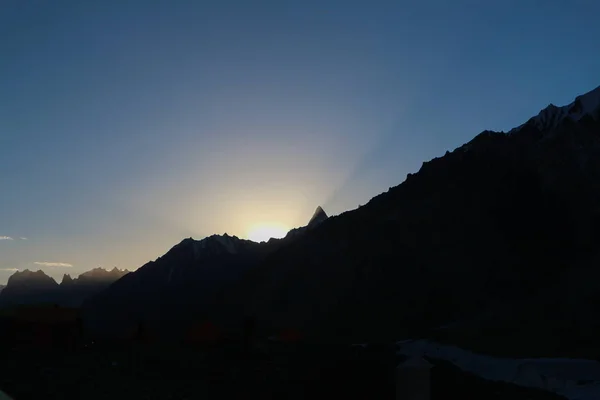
<point>176,372</point>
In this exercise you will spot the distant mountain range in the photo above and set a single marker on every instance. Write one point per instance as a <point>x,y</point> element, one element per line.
<point>493,246</point>
<point>29,287</point>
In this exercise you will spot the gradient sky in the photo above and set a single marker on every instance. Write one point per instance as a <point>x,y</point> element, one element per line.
<point>126,126</point>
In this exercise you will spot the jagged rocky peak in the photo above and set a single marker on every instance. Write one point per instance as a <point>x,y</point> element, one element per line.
<point>26,273</point>
<point>101,274</point>
<point>229,243</point>
<point>66,280</point>
<point>26,277</point>
<point>214,245</point>
<point>318,217</point>
<point>94,272</point>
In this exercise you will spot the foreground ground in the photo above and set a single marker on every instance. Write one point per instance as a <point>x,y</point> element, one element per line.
<point>144,372</point>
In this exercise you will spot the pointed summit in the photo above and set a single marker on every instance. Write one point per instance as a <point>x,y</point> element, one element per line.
<point>318,217</point>
<point>66,279</point>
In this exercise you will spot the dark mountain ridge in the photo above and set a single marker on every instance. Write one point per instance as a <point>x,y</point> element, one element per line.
<point>75,291</point>
<point>500,218</point>
<point>29,287</point>
<point>95,276</point>
<point>185,286</point>
<point>481,231</point>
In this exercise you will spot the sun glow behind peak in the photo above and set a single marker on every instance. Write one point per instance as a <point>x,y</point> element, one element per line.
<point>265,231</point>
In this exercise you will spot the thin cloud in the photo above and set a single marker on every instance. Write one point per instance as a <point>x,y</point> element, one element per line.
<point>23,238</point>
<point>6,238</point>
<point>9,269</point>
<point>53,264</point>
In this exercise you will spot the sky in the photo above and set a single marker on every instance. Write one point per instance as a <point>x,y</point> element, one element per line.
<point>126,126</point>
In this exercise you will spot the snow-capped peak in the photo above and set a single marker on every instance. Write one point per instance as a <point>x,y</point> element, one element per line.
<point>551,116</point>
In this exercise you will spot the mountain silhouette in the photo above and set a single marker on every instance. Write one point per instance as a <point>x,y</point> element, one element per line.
<point>73,292</point>
<point>474,233</point>
<point>28,287</point>
<point>185,286</point>
<point>318,217</point>
<point>486,233</point>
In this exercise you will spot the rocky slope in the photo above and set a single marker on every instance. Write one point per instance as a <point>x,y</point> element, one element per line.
<point>495,226</point>
<point>185,286</point>
<point>486,227</point>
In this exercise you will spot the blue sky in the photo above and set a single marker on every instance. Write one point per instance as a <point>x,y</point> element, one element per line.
<point>126,126</point>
